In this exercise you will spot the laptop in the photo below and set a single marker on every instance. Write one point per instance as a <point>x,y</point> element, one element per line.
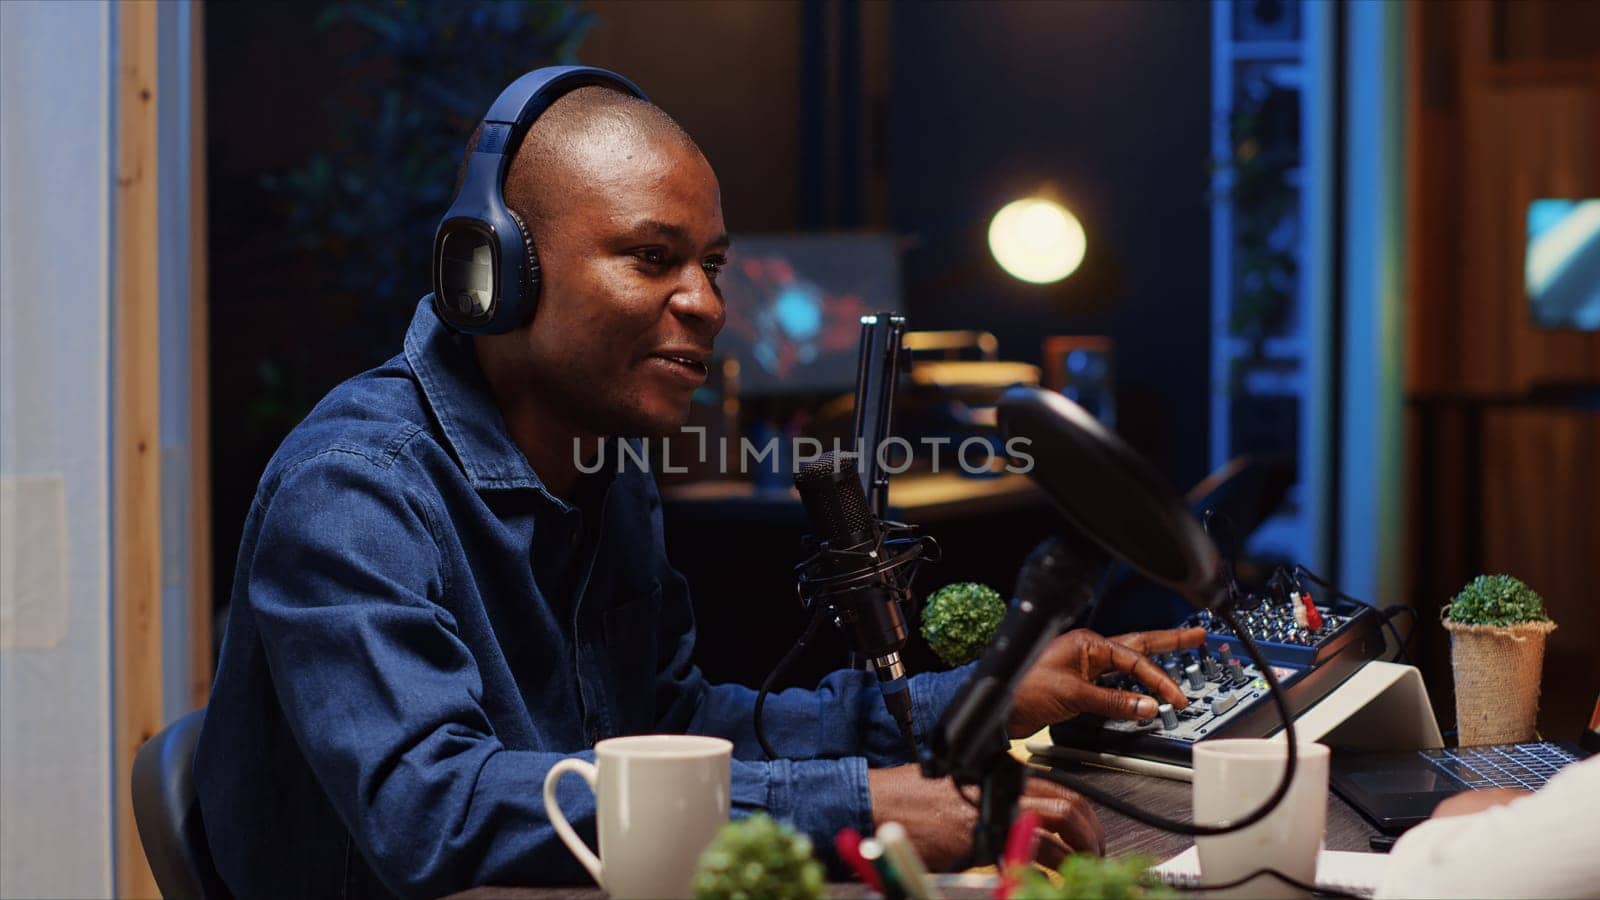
<point>1398,790</point>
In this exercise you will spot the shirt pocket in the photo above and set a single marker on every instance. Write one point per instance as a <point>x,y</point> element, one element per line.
<point>633,642</point>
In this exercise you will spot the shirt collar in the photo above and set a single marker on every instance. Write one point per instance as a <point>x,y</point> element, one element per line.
<point>459,396</point>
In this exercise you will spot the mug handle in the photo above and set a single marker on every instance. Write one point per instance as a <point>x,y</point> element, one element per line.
<point>552,808</point>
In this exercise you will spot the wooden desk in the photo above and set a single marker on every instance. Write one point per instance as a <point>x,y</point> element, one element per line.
<point>1346,830</point>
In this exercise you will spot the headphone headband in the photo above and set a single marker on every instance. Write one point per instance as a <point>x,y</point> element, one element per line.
<point>485,268</point>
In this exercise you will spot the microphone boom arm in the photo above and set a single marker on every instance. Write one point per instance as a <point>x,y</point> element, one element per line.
<point>876,372</point>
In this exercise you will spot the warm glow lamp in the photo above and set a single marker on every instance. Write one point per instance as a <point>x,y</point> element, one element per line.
<point>1037,240</point>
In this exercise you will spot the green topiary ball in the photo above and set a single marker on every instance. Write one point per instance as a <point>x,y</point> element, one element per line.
<point>758,858</point>
<point>960,619</point>
<point>1496,600</point>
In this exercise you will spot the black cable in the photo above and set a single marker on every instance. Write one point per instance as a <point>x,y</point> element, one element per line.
<point>1386,617</point>
<point>1117,804</point>
<point>1286,879</point>
<point>772,677</point>
<point>908,731</point>
<point>1395,611</point>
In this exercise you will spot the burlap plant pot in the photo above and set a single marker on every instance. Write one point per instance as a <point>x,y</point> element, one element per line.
<point>1497,671</point>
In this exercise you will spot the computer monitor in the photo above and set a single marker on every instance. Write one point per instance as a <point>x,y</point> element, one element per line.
<point>1562,266</point>
<point>794,305</point>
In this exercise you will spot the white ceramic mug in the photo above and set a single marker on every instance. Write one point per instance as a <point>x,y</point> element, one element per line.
<point>1231,778</point>
<point>659,799</point>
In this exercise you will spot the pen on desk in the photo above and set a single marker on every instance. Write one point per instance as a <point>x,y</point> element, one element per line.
<point>848,843</point>
<point>872,852</point>
<point>907,864</point>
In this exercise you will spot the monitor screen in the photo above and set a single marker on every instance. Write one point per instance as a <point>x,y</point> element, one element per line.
<point>794,305</point>
<point>1562,269</point>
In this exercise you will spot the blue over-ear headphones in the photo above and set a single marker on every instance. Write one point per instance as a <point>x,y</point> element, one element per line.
<point>485,270</point>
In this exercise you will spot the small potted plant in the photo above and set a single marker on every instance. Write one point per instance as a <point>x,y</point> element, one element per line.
<point>959,620</point>
<point>1083,875</point>
<point>1497,629</point>
<point>759,857</point>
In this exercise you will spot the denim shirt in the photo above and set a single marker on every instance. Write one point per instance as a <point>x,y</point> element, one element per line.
<point>420,630</point>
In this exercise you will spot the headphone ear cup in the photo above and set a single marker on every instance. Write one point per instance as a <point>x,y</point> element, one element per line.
<point>530,270</point>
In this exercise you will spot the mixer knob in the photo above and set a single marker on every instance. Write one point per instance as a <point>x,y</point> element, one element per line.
<point>1208,667</point>
<point>1196,680</point>
<point>1169,719</point>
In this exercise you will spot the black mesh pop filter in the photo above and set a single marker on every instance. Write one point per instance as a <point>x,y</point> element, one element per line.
<point>1111,494</point>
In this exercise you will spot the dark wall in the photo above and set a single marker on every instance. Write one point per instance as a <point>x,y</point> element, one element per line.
<point>262,117</point>
<point>1107,105</point>
<point>730,74</point>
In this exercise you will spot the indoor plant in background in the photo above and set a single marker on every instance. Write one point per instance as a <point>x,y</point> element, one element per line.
<point>415,80</point>
<point>1497,629</point>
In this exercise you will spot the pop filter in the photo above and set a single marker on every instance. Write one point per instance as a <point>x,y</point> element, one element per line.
<point>1111,494</point>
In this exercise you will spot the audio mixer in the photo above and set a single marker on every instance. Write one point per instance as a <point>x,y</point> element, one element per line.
<point>1311,647</point>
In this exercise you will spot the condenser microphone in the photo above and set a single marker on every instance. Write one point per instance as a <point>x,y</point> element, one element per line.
<point>860,576</point>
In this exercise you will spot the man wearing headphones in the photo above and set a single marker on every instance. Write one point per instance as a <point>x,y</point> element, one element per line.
<point>434,603</point>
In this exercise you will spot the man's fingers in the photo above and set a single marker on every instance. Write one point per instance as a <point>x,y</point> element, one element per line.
<point>1124,659</point>
<point>1164,641</point>
<point>1089,826</point>
<point>1158,681</point>
<point>1083,832</point>
<point>1053,851</point>
<point>1115,704</point>
<point>1069,816</point>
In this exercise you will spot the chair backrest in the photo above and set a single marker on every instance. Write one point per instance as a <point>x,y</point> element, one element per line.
<point>168,813</point>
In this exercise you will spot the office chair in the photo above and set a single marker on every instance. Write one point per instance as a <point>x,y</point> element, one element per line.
<point>168,813</point>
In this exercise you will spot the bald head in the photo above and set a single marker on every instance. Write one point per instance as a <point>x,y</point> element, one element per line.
<point>576,141</point>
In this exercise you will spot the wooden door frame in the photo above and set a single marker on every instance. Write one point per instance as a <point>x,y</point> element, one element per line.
<point>136,496</point>
<point>136,429</point>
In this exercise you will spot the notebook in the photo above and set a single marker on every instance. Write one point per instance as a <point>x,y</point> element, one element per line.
<point>1353,873</point>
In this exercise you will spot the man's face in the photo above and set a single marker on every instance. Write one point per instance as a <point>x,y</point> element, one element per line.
<point>629,303</point>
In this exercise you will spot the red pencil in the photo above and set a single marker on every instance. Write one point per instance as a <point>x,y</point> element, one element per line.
<point>1020,844</point>
<point>848,843</point>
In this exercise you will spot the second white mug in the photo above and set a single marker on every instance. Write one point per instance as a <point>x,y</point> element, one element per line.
<point>1233,777</point>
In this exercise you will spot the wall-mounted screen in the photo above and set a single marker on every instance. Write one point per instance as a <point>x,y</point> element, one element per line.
<point>795,303</point>
<point>1562,266</point>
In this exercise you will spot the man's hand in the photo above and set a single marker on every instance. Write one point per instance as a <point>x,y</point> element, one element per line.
<point>1061,684</point>
<point>939,821</point>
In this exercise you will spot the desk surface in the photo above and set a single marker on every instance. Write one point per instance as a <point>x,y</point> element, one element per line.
<point>1346,830</point>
